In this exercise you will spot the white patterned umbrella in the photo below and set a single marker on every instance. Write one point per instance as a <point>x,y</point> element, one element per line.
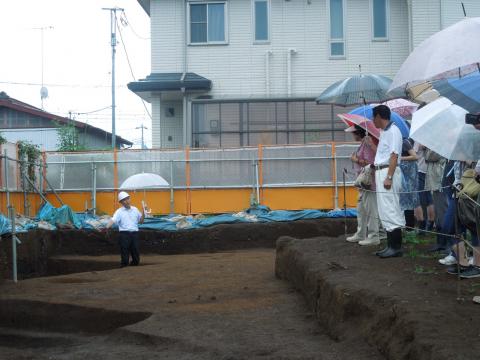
<point>451,52</point>
<point>402,107</point>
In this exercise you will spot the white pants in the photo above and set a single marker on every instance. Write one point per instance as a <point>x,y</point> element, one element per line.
<point>388,201</point>
<point>367,215</point>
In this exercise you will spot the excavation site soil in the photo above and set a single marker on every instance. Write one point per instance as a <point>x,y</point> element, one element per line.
<point>312,296</point>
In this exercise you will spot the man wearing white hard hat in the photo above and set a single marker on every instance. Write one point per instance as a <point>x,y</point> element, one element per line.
<point>127,218</point>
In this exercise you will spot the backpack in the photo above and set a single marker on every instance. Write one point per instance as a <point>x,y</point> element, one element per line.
<point>471,188</point>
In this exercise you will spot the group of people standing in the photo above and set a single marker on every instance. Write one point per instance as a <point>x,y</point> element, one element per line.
<point>404,185</point>
<point>377,164</point>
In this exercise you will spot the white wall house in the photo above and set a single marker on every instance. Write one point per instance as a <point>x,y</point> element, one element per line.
<point>246,72</point>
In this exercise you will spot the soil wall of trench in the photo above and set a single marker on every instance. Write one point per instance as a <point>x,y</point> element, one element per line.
<point>361,314</point>
<point>38,248</point>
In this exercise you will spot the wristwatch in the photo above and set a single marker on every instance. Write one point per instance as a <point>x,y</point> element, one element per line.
<point>389,177</point>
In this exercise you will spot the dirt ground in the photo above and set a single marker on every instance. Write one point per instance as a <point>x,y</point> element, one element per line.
<point>408,308</point>
<point>225,305</point>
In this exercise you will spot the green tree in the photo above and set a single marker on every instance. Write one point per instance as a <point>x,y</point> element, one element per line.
<point>28,154</point>
<point>68,138</point>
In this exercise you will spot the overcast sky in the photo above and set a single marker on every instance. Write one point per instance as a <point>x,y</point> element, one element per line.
<point>77,59</point>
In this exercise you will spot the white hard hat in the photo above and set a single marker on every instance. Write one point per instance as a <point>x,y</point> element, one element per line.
<point>122,195</point>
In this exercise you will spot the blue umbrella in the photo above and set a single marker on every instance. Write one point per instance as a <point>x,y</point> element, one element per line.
<point>464,92</point>
<point>358,89</point>
<point>367,111</point>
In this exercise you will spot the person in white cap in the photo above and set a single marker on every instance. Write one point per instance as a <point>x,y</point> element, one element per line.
<point>127,218</point>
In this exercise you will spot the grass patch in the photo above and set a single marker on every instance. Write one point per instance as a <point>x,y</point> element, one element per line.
<point>419,269</point>
<point>412,238</point>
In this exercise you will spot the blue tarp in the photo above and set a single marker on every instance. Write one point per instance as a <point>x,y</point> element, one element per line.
<point>65,215</point>
<point>6,226</point>
<point>62,215</point>
<point>260,214</point>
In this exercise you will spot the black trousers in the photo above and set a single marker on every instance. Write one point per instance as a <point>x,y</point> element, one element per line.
<point>128,241</point>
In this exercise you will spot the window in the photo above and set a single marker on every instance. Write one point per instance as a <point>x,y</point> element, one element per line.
<point>250,122</point>
<point>207,23</point>
<point>261,20</point>
<point>380,19</point>
<point>337,40</point>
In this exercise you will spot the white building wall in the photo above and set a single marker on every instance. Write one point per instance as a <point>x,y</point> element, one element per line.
<point>238,69</point>
<point>166,17</point>
<point>156,122</point>
<point>452,11</point>
<point>426,19</point>
<point>45,138</point>
<point>171,134</point>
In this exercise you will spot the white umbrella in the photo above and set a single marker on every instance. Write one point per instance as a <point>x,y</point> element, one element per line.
<point>441,127</point>
<point>144,181</point>
<point>454,51</point>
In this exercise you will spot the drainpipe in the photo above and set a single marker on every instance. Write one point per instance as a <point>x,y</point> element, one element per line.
<point>185,70</point>
<point>267,72</point>
<point>290,52</point>
<point>410,26</point>
<point>185,37</point>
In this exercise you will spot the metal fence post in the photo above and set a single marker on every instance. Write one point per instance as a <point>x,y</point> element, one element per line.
<point>6,178</point>
<point>15,241</point>
<point>172,200</point>
<point>94,188</point>
<point>24,182</point>
<point>334,176</point>
<point>257,184</point>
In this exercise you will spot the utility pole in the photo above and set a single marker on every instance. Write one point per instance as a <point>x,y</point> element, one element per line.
<point>113,43</point>
<point>143,142</point>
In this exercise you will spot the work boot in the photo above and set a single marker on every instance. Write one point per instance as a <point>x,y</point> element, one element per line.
<point>389,244</point>
<point>396,248</point>
<point>409,220</point>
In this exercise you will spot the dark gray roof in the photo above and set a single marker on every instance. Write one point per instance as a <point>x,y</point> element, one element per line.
<point>171,82</point>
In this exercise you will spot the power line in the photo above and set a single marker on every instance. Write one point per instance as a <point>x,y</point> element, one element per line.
<point>91,112</point>
<point>130,66</point>
<point>126,23</point>
<point>58,85</point>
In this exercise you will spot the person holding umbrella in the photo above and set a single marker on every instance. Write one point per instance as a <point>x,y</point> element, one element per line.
<point>388,179</point>
<point>127,218</point>
<point>367,212</point>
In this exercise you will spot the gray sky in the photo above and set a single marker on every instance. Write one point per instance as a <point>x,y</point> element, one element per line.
<point>77,59</point>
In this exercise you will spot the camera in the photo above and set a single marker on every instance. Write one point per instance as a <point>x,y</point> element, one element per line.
<point>472,119</point>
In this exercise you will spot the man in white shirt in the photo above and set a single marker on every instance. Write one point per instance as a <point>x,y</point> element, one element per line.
<point>127,218</point>
<point>388,177</point>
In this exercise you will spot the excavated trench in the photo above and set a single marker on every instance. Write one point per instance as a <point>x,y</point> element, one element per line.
<point>50,253</point>
<point>22,314</point>
<point>356,317</point>
<point>388,304</point>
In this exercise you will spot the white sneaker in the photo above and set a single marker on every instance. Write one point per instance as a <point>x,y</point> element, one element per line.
<point>370,241</point>
<point>354,238</point>
<point>448,260</point>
